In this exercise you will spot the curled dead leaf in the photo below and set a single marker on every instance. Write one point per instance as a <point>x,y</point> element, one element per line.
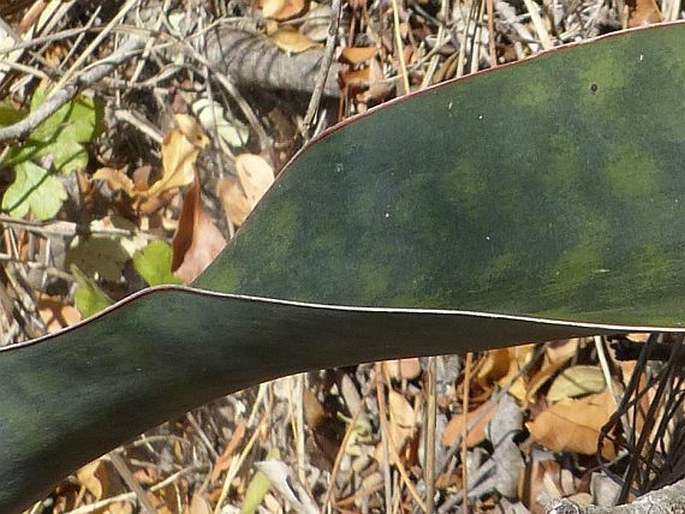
<point>180,149</point>
<point>197,241</point>
<point>55,314</point>
<point>116,179</point>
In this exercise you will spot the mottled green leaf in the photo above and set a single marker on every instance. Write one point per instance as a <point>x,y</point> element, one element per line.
<point>534,202</point>
<point>154,264</point>
<point>552,188</point>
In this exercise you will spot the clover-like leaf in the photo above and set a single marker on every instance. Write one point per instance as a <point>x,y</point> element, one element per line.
<point>154,264</point>
<point>36,190</point>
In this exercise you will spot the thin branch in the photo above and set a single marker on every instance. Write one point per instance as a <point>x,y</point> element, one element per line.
<point>322,78</point>
<point>23,128</point>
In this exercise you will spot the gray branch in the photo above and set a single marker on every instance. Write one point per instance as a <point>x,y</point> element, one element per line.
<point>59,98</point>
<point>253,60</point>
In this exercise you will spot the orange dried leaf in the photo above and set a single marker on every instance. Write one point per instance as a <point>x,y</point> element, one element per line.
<point>355,78</point>
<point>493,367</point>
<point>403,369</point>
<point>561,351</point>
<point>514,381</point>
<point>357,54</point>
<point>56,315</point>
<point>256,176</point>
<point>476,434</point>
<point>642,12</point>
<point>239,196</point>
<point>197,241</point>
<point>292,41</point>
<point>574,425</point>
<point>94,477</point>
<point>233,199</point>
<point>116,180</point>
<point>281,10</point>
<point>200,505</point>
<point>179,153</point>
<point>402,418</point>
<point>224,460</point>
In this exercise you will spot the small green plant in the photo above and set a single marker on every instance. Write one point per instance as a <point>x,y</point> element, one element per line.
<point>53,147</point>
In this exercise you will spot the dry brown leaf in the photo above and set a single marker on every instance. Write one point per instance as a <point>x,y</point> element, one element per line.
<point>402,369</point>
<point>233,199</point>
<point>574,425</point>
<point>639,13</point>
<point>475,435</point>
<point>180,149</point>
<point>238,197</point>
<point>116,180</point>
<point>357,54</point>
<point>576,381</point>
<point>402,418</point>
<point>562,350</point>
<point>88,477</point>
<point>224,460</point>
<point>557,354</point>
<point>200,505</point>
<point>324,446</point>
<point>519,357</point>
<point>197,241</point>
<point>256,176</point>
<point>493,367</point>
<point>292,41</point>
<point>401,427</point>
<point>56,315</point>
<point>379,89</point>
<point>314,413</point>
<point>355,79</point>
<point>282,10</point>
<point>179,152</point>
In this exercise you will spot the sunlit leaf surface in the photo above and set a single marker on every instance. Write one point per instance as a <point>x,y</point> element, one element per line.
<point>552,188</point>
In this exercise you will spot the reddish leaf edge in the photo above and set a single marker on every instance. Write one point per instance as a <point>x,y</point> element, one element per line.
<point>573,327</point>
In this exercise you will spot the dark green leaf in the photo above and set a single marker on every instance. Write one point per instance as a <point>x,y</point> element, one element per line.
<point>551,189</point>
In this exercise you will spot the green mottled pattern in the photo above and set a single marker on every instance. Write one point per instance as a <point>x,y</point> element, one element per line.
<point>554,187</point>
<point>70,398</point>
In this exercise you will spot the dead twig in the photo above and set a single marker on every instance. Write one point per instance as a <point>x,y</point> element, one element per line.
<point>429,444</point>
<point>331,40</point>
<point>23,128</point>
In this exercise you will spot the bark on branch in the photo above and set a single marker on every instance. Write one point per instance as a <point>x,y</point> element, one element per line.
<point>253,60</point>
